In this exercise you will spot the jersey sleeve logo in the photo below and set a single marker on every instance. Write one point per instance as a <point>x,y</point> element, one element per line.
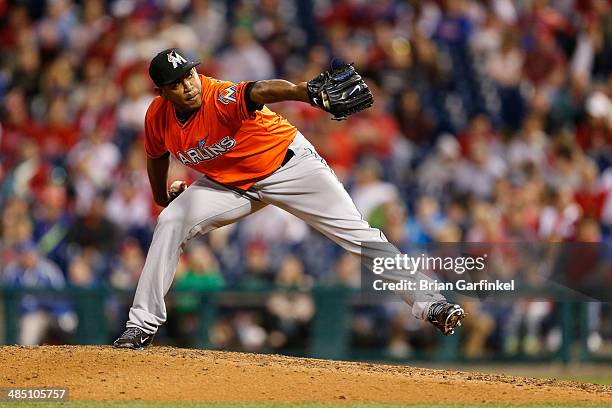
<point>227,95</point>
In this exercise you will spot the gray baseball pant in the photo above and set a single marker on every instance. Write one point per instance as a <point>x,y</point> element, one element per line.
<point>305,186</point>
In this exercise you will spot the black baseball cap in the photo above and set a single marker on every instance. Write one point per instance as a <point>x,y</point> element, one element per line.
<point>169,66</point>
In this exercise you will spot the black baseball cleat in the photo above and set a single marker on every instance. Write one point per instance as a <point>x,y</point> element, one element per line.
<point>445,316</point>
<point>134,338</point>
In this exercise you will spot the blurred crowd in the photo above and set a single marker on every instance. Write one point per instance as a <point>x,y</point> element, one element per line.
<point>492,122</point>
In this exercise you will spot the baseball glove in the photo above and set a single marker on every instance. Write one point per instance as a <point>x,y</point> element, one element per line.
<point>341,92</point>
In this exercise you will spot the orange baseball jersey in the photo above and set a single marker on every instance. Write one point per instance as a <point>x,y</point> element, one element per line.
<point>222,139</point>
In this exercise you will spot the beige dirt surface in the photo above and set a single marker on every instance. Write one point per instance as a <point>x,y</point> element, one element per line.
<point>170,374</point>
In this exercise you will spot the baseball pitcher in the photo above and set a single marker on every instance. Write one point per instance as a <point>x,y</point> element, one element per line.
<point>249,157</point>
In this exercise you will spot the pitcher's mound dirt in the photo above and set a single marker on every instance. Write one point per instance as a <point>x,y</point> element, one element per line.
<point>169,374</point>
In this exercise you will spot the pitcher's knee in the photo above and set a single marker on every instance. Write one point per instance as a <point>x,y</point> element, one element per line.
<point>174,220</point>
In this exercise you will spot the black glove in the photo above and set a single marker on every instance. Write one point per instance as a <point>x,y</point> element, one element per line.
<point>340,92</point>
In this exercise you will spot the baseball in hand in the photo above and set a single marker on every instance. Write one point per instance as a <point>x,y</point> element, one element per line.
<point>176,188</point>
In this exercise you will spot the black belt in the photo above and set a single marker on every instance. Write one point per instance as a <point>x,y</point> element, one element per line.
<point>288,157</point>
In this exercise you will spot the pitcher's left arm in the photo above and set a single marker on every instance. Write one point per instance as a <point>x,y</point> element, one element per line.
<point>341,92</point>
<point>277,90</point>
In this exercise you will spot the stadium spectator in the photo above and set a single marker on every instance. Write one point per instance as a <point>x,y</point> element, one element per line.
<point>258,273</point>
<point>127,265</point>
<point>92,163</point>
<point>81,270</point>
<point>370,191</point>
<point>246,59</point>
<point>426,222</point>
<point>292,309</point>
<point>38,312</point>
<point>52,221</point>
<point>199,272</point>
<point>93,231</point>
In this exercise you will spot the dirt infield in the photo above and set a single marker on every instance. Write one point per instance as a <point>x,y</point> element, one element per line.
<point>169,374</point>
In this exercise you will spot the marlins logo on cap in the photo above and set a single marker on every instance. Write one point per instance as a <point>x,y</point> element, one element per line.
<point>175,59</point>
<point>170,66</point>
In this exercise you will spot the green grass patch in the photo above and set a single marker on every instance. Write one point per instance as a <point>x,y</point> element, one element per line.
<point>144,404</point>
<point>601,380</point>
